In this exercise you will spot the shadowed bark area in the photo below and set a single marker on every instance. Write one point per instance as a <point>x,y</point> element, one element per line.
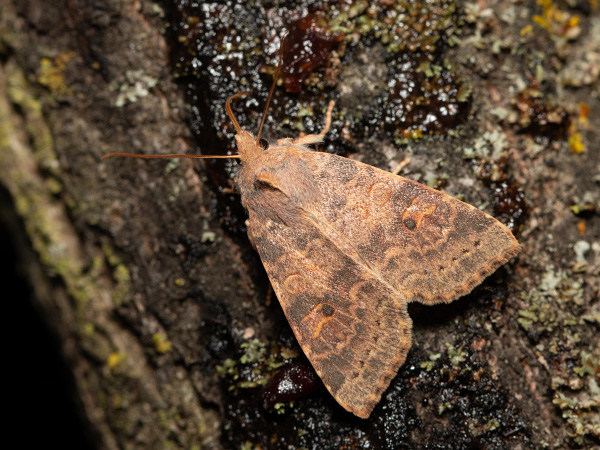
<point>167,329</point>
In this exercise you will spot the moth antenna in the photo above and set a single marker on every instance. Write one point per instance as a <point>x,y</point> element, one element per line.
<point>236,125</point>
<point>133,155</point>
<point>229,111</point>
<point>275,78</point>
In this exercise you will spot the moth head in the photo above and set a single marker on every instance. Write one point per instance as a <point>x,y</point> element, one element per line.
<point>248,145</point>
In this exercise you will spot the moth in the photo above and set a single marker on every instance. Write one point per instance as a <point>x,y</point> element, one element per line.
<point>347,246</point>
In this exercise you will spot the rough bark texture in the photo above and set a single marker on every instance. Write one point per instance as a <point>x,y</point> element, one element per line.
<point>161,307</point>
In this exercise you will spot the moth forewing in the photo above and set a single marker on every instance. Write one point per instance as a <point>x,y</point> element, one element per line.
<point>356,345</point>
<point>429,246</point>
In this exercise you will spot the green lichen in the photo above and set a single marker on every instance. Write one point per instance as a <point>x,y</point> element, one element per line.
<point>121,292</point>
<point>228,368</point>
<point>590,365</point>
<point>581,412</point>
<point>491,425</point>
<point>137,85</point>
<point>444,407</point>
<point>45,219</point>
<point>586,203</point>
<point>303,111</point>
<point>280,407</point>
<point>255,366</point>
<point>429,365</point>
<point>457,355</point>
<point>593,315</point>
<point>435,180</point>
<point>254,351</point>
<point>50,235</point>
<point>490,145</point>
<point>248,446</point>
<point>543,308</point>
<point>550,312</point>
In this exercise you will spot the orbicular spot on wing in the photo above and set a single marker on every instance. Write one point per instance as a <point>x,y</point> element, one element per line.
<point>380,193</point>
<point>416,213</point>
<point>295,284</point>
<point>362,211</point>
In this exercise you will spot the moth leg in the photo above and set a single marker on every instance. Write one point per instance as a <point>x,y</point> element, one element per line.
<point>270,293</point>
<point>250,235</point>
<point>316,138</point>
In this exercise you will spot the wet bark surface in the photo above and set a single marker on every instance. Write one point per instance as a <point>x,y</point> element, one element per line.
<point>169,334</point>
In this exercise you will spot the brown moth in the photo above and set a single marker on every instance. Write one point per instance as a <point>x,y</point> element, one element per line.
<point>347,246</point>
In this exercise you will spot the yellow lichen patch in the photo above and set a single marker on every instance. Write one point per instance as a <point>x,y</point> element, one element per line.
<point>576,143</point>
<point>162,344</point>
<point>575,130</point>
<point>556,21</point>
<point>115,360</point>
<point>18,92</point>
<point>527,30</point>
<point>583,115</point>
<point>52,73</point>
<point>412,134</point>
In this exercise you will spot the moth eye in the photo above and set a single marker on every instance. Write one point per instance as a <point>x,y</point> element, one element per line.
<point>263,144</point>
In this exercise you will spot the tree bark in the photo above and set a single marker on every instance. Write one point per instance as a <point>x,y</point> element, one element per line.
<point>142,271</point>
